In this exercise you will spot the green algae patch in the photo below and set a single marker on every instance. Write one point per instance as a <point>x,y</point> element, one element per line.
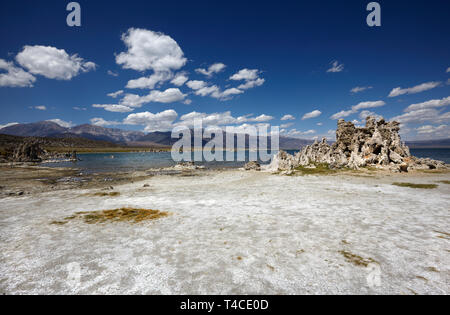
<point>422,278</point>
<point>440,171</point>
<point>416,186</point>
<point>130,215</point>
<point>357,260</point>
<point>319,169</point>
<point>107,194</point>
<point>59,222</point>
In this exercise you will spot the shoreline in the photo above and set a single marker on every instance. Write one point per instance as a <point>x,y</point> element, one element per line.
<point>30,179</point>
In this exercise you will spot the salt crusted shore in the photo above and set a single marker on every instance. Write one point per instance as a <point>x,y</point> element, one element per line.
<point>234,232</point>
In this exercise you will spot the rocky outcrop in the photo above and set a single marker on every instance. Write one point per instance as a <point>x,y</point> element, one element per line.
<point>377,144</point>
<point>188,166</point>
<point>28,151</point>
<point>32,151</point>
<point>252,166</point>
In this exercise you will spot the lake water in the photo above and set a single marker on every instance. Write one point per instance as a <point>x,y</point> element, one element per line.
<point>139,161</point>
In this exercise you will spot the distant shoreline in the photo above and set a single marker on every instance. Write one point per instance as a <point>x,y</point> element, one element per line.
<point>430,147</point>
<point>168,149</point>
<point>107,150</point>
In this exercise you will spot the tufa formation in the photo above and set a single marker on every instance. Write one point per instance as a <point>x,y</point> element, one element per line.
<point>378,144</point>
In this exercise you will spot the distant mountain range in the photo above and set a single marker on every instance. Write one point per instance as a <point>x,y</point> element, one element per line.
<point>154,139</point>
<point>53,130</point>
<point>9,143</point>
<point>117,136</point>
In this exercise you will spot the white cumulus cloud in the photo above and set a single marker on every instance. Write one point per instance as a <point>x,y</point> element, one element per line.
<point>313,114</point>
<point>227,93</point>
<point>336,67</point>
<point>214,119</point>
<point>98,121</point>
<point>288,117</point>
<point>153,122</point>
<point>428,129</point>
<point>180,79</point>
<point>297,133</point>
<point>196,84</point>
<point>245,74</point>
<point>423,115</point>
<point>115,94</point>
<point>52,63</point>
<point>220,119</point>
<point>150,82</point>
<point>355,109</point>
<point>114,108</point>
<point>426,112</point>
<point>366,113</point>
<point>201,88</point>
<point>261,118</point>
<point>214,68</point>
<point>359,89</point>
<point>14,76</point>
<point>365,105</point>
<point>251,78</point>
<point>167,120</point>
<point>429,104</point>
<point>168,96</point>
<point>342,114</point>
<point>252,84</point>
<point>413,90</point>
<point>149,50</point>
<point>112,73</point>
<point>62,123</point>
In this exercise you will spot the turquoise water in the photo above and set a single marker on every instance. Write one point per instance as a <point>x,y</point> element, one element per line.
<point>124,162</point>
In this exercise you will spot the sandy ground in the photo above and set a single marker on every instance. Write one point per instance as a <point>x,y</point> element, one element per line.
<point>233,232</point>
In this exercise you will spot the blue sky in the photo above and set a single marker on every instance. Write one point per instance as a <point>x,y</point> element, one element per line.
<point>270,59</point>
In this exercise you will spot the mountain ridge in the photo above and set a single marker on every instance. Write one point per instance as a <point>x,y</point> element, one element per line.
<point>114,135</point>
<point>140,139</point>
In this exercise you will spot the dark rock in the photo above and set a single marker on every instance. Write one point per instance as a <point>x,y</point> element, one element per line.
<point>252,166</point>
<point>186,166</point>
<point>403,168</point>
<point>28,151</point>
